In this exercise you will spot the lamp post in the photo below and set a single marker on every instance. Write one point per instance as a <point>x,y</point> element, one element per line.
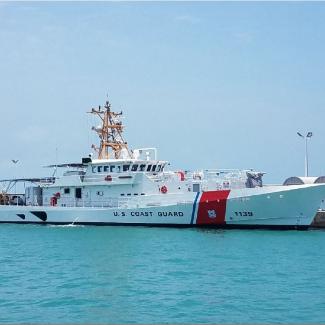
<point>306,137</point>
<point>15,161</point>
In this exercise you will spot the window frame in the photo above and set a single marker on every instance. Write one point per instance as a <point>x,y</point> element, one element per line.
<point>126,167</point>
<point>134,167</point>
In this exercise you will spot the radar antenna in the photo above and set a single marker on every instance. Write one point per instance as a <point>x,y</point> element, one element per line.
<point>110,133</point>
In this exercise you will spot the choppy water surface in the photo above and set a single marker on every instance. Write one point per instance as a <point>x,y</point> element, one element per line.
<point>77,274</point>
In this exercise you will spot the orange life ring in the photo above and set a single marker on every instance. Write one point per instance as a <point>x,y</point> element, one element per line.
<point>164,189</point>
<point>108,178</point>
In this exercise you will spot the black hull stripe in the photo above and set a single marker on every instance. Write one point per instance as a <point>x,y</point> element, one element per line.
<point>224,226</point>
<point>40,214</point>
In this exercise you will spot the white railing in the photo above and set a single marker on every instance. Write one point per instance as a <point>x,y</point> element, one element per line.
<point>125,203</point>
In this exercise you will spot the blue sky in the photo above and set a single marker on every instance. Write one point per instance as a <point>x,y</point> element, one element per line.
<point>211,85</point>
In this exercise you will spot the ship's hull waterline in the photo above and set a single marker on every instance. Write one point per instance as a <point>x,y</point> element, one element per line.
<point>278,207</point>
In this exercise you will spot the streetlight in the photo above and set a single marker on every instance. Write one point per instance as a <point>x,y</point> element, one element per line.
<point>306,137</point>
<point>15,161</point>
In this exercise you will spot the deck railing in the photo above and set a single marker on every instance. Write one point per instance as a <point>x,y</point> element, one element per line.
<point>126,203</point>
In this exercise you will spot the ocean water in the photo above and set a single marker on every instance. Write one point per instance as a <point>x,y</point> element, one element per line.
<point>62,274</point>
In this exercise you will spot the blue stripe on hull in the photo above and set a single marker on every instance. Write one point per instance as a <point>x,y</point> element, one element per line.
<point>194,207</point>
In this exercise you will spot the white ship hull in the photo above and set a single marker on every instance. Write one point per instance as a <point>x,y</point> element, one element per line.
<point>289,207</point>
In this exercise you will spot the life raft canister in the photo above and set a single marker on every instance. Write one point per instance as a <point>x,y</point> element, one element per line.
<point>164,189</point>
<point>108,178</point>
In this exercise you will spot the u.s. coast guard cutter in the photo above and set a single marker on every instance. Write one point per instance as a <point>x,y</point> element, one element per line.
<point>134,187</point>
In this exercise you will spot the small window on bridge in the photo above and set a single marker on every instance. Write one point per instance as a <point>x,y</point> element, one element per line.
<point>126,168</point>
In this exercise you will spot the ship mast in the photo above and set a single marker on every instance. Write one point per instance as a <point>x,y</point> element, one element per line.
<point>110,133</point>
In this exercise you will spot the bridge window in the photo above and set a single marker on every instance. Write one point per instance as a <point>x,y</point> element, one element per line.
<point>119,168</point>
<point>94,169</point>
<point>154,168</point>
<point>142,168</point>
<point>106,169</point>
<point>134,167</point>
<point>158,168</point>
<point>149,168</point>
<point>126,168</point>
<point>99,169</point>
<point>67,190</point>
<point>112,168</point>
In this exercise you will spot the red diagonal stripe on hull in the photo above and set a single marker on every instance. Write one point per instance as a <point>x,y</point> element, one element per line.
<point>212,208</point>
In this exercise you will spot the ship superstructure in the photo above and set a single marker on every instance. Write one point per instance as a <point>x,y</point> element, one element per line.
<point>134,187</point>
